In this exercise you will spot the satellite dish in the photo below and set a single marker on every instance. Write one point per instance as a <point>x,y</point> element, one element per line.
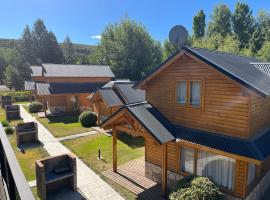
<point>178,36</point>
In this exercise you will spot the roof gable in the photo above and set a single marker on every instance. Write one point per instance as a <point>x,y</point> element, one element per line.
<point>236,67</point>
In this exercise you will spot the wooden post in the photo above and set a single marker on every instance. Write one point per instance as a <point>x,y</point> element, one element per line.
<point>114,149</point>
<point>164,170</point>
<point>98,113</point>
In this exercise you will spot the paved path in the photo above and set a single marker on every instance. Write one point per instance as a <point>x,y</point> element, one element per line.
<point>89,183</point>
<point>70,137</point>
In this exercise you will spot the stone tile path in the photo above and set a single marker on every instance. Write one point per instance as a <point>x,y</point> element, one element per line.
<point>89,183</point>
<point>131,175</point>
<point>70,137</point>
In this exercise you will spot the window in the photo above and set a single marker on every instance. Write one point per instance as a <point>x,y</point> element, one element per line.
<point>182,92</point>
<point>187,159</point>
<point>219,169</point>
<point>195,93</point>
<point>251,173</point>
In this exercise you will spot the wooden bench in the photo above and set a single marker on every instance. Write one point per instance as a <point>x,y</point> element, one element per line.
<point>26,133</point>
<point>55,172</point>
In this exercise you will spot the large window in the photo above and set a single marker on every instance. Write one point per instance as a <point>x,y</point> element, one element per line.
<point>195,93</point>
<point>219,169</point>
<point>182,92</point>
<point>189,92</point>
<point>187,160</point>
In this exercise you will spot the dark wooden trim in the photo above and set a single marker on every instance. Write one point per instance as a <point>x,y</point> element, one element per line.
<point>114,143</point>
<point>164,169</point>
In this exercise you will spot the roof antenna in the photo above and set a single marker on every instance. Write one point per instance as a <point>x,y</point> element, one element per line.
<point>178,36</point>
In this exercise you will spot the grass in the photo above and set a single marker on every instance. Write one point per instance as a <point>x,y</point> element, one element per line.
<point>86,149</point>
<point>28,158</point>
<point>3,117</point>
<point>63,125</point>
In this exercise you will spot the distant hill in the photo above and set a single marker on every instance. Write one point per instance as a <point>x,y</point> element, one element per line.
<point>80,49</point>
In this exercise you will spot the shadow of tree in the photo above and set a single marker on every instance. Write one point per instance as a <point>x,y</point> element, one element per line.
<point>133,142</point>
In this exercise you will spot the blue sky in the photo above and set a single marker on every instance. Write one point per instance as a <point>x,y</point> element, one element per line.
<point>81,19</point>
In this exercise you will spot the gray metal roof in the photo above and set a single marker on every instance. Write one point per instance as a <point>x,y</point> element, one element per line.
<point>65,70</point>
<point>128,93</point>
<point>36,70</point>
<point>152,120</point>
<point>110,97</point>
<point>238,68</point>
<point>29,85</point>
<point>66,88</point>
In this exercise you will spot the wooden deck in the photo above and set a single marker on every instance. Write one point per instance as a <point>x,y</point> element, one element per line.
<point>131,176</point>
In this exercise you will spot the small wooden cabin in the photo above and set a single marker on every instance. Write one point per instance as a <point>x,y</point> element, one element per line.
<point>111,96</point>
<point>207,113</point>
<point>64,88</point>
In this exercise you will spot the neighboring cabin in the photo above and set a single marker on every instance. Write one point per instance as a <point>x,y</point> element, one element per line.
<point>113,95</point>
<point>207,113</point>
<point>64,88</point>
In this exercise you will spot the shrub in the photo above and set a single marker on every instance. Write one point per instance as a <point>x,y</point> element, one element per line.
<point>9,130</point>
<point>18,95</point>
<point>88,119</point>
<point>5,123</point>
<point>196,188</point>
<point>35,107</point>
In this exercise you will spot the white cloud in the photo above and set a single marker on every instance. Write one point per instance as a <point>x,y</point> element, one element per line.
<point>96,37</point>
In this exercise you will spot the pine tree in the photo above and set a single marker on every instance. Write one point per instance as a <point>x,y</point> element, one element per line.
<point>68,51</point>
<point>243,23</point>
<point>199,24</point>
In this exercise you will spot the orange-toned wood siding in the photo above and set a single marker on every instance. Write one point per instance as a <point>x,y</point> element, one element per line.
<point>259,113</point>
<point>241,178</point>
<point>76,79</point>
<point>225,106</point>
<point>83,100</point>
<point>38,78</point>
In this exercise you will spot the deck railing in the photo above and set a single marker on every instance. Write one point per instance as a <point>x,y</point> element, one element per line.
<point>16,186</point>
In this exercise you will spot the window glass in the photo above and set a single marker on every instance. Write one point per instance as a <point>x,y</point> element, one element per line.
<point>187,159</point>
<point>219,169</point>
<point>195,93</point>
<point>251,173</point>
<point>182,92</point>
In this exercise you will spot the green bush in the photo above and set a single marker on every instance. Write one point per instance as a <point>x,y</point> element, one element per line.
<point>5,123</point>
<point>9,130</point>
<point>88,119</point>
<point>35,107</point>
<point>18,96</point>
<point>196,188</point>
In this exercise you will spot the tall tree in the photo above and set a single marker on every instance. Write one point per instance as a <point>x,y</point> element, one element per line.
<point>129,49</point>
<point>264,52</point>
<point>220,21</point>
<point>168,48</point>
<point>243,23</point>
<point>68,51</point>
<point>199,24</point>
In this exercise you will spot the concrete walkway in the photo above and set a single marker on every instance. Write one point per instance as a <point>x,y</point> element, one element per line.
<point>70,137</point>
<point>89,183</point>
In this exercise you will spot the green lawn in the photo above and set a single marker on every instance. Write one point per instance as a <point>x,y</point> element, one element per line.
<point>63,126</point>
<point>28,158</point>
<point>86,148</point>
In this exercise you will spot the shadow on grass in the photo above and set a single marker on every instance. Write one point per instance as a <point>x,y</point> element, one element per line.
<point>64,119</point>
<point>133,142</point>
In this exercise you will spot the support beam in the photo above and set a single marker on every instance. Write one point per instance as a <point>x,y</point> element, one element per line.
<point>164,169</point>
<point>114,149</point>
<point>98,114</point>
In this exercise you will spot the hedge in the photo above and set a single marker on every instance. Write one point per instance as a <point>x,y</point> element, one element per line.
<point>88,119</point>
<point>35,107</point>
<point>18,96</point>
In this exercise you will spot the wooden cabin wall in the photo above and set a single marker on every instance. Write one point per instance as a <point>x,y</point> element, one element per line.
<point>259,113</point>
<point>38,78</point>
<point>83,100</point>
<point>76,79</point>
<point>225,107</point>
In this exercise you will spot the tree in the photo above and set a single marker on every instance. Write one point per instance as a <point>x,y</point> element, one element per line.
<point>168,48</point>
<point>2,69</point>
<point>68,51</point>
<point>129,49</point>
<point>230,44</point>
<point>243,23</point>
<point>199,24</point>
<point>220,21</point>
<point>264,52</point>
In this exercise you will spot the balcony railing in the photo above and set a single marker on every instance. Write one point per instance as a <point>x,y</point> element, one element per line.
<point>14,183</point>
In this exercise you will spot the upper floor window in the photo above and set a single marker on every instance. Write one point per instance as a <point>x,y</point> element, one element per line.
<point>195,93</point>
<point>182,92</point>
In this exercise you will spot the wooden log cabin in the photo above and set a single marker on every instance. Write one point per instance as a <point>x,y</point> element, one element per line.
<point>207,113</point>
<point>64,88</point>
<point>112,96</point>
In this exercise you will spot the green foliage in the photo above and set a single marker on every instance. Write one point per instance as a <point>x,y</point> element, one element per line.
<point>220,21</point>
<point>264,52</point>
<point>88,119</point>
<point>5,123</point>
<point>243,23</point>
<point>18,96</point>
<point>199,24</point>
<point>68,51</point>
<point>35,107</point>
<point>9,130</point>
<point>129,49</point>
<point>168,49</point>
<point>196,188</point>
